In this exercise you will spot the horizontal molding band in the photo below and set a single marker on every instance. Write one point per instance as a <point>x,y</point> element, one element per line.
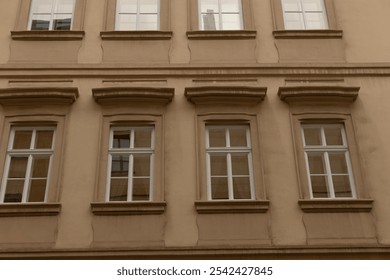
<point>136,35</point>
<point>29,209</point>
<point>48,35</point>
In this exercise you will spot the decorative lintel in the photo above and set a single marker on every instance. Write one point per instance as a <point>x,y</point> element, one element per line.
<point>335,205</point>
<point>48,35</point>
<point>128,208</point>
<point>223,206</point>
<point>225,94</point>
<point>136,35</point>
<point>318,94</point>
<point>117,95</point>
<point>26,96</point>
<point>221,34</point>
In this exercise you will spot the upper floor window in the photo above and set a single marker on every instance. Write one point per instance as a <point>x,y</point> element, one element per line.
<point>229,162</point>
<point>137,15</point>
<point>51,15</point>
<point>304,14</point>
<point>220,15</point>
<point>130,166</point>
<point>27,166</point>
<point>328,161</point>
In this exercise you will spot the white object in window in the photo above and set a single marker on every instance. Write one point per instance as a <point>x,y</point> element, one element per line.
<point>304,14</point>
<point>27,165</point>
<point>137,15</point>
<point>51,14</point>
<point>328,162</point>
<point>220,15</point>
<point>130,167</point>
<point>229,162</point>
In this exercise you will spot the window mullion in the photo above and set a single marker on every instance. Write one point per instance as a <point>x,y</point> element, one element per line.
<point>329,175</point>
<point>151,178</point>
<point>137,15</point>
<point>230,176</point>
<point>27,178</point>
<point>220,14</point>
<point>108,181</point>
<point>130,179</point>
<point>208,176</point>
<point>303,14</point>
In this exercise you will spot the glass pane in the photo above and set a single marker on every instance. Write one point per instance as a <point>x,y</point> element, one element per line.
<point>40,167</point>
<point>121,139</point>
<point>210,22</point>
<point>22,139</point>
<point>316,163</point>
<point>40,22</point>
<point>17,167</point>
<point>143,137</point>
<point>312,136</point>
<point>219,188</point>
<point>240,164</point>
<point>338,164</point>
<point>148,22</point>
<point>319,187</point>
<point>118,190</point>
<point>42,6</point>
<point>238,137</point>
<point>342,186</point>
<point>217,137</point>
<point>312,5</point>
<point>44,139</point>
<point>292,5</point>
<point>293,21</point>
<point>209,6</point>
<point>230,6</point>
<point>126,22</point>
<point>14,191</point>
<point>120,166</point>
<point>127,6</point>
<point>315,21</point>
<point>37,190</point>
<point>241,188</point>
<point>62,22</point>
<point>65,6</point>
<point>333,136</point>
<point>231,22</point>
<point>218,165</point>
<point>141,187</point>
<point>141,165</point>
<point>149,6</point>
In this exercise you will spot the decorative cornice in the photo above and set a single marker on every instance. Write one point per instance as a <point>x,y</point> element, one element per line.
<point>29,209</point>
<point>27,96</point>
<point>48,35</point>
<point>335,205</point>
<point>308,34</point>
<point>117,95</point>
<point>128,208</point>
<point>221,34</point>
<point>225,94</point>
<point>136,35</point>
<point>237,206</point>
<point>318,94</point>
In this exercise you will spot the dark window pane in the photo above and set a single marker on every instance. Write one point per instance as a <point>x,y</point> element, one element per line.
<point>120,166</point>
<point>141,188</point>
<point>316,163</point>
<point>118,190</point>
<point>217,137</point>
<point>143,137</point>
<point>40,24</point>
<point>40,167</point>
<point>218,165</point>
<point>241,188</point>
<point>240,164</point>
<point>141,165</point>
<point>62,24</point>
<point>22,139</point>
<point>238,137</point>
<point>219,188</point>
<point>333,136</point>
<point>319,187</point>
<point>44,139</point>
<point>37,190</point>
<point>121,139</point>
<point>338,163</point>
<point>312,136</point>
<point>14,191</point>
<point>17,168</point>
<point>342,186</point>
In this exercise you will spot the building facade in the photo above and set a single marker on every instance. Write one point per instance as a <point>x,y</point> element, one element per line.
<point>194,129</point>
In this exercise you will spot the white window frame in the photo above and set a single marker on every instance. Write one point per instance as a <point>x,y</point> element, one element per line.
<point>130,152</point>
<point>220,27</point>
<point>325,149</point>
<point>303,12</point>
<point>138,13</point>
<point>27,153</point>
<point>53,8</point>
<point>228,151</point>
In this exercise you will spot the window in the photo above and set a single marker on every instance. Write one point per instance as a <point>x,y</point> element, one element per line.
<point>27,167</point>
<point>328,161</point>
<point>220,15</point>
<point>229,162</point>
<point>130,168</point>
<point>304,14</point>
<point>51,15</point>
<point>137,15</point>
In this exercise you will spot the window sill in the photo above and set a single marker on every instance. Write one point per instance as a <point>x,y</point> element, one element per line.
<point>128,208</point>
<point>136,35</point>
<point>243,206</point>
<point>29,209</point>
<point>221,34</point>
<point>335,205</point>
<point>308,34</point>
<point>47,35</point>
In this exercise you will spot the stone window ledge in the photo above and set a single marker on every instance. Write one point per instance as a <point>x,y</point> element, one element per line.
<point>128,208</point>
<point>335,205</point>
<point>221,34</point>
<point>225,206</point>
<point>48,35</point>
<point>308,34</point>
<point>29,209</point>
<point>136,35</point>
